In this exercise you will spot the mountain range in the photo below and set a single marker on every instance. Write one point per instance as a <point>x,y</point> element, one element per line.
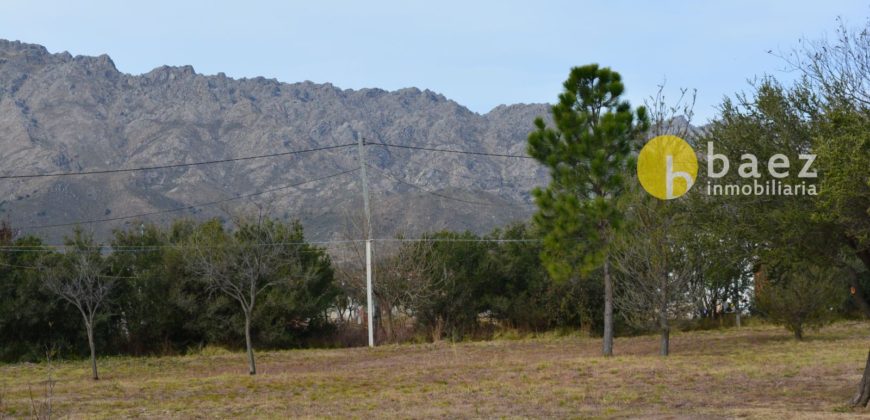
<point>61,113</point>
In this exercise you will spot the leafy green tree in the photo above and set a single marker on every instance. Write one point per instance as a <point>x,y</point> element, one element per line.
<point>197,317</point>
<point>448,281</point>
<point>799,297</point>
<point>452,283</point>
<point>723,266</point>
<point>825,113</point>
<point>760,230</point>
<point>297,306</point>
<point>836,81</point>
<point>588,154</point>
<point>843,149</point>
<point>157,301</point>
<point>519,290</point>
<point>141,291</point>
<point>31,319</point>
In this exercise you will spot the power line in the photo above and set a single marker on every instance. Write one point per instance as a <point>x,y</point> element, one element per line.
<point>27,267</point>
<point>174,165</point>
<point>127,250</point>
<point>396,179</point>
<point>140,248</point>
<point>161,246</point>
<point>441,195</point>
<point>188,207</point>
<point>192,206</point>
<point>491,240</point>
<point>432,149</point>
<point>437,194</point>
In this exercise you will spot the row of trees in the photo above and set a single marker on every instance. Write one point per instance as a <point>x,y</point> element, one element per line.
<point>161,291</point>
<point>457,284</point>
<point>257,282</point>
<point>805,253</point>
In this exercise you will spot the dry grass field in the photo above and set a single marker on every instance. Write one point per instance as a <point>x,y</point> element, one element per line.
<point>755,372</point>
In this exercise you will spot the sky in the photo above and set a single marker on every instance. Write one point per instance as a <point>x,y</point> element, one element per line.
<point>478,53</point>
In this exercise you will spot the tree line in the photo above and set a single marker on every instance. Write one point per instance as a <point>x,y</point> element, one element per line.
<point>256,282</point>
<point>163,291</point>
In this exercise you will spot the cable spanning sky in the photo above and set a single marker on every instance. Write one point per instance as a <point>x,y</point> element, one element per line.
<point>478,53</point>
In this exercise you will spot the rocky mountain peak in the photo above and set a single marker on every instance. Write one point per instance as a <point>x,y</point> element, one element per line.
<point>60,113</point>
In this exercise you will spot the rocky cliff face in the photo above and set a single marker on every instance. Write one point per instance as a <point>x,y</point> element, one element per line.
<point>60,113</point>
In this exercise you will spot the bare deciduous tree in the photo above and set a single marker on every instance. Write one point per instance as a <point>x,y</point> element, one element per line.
<point>349,262</point>
<point>75,276</point>
<point>402,267</point>
<point>671,118</point>
<point>406,280</point>
<point>654,270</point>
<point>838,71</point>
<point>244,263</point>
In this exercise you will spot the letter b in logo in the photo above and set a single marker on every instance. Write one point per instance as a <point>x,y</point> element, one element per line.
<point>667,167</point>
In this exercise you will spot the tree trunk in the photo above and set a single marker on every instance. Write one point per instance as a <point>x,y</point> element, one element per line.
<point>712,308</point>
<point>665,342</point>
<point>864,256</point>
<point>390,327</point>
<point>608,309</point>
<point>252,365</point>
<point>90,330</point>
<point>798,333</point>
<point>664,349</point>
<point>858,296</point>
<point>863,395</point>
<point>737,315</point>
<point>736,308</point>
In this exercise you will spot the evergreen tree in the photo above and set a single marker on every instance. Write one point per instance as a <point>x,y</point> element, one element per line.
<point>588,153</point>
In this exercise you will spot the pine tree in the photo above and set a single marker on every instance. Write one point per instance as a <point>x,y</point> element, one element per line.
<point>588,154</point>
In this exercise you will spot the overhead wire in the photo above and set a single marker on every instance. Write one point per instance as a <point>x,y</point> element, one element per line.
<point>433,149</point>
<point>437,194</point>
<point>140,248</point>
<point>173,165</point>
<point>215,202</point>
<point>188,207</point>
<point>27,267</point>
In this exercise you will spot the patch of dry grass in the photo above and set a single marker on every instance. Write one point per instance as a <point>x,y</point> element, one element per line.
<point>757,371</point>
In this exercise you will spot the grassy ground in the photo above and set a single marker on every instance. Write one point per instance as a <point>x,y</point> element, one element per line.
<point>758,372</point>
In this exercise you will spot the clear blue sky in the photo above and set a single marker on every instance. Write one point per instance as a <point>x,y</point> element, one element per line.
<point>479,53</point>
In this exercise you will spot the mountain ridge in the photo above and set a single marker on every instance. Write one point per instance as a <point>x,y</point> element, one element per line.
<point>62,113</point>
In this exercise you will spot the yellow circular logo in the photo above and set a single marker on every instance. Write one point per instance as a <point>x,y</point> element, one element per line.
<point>667,167</point>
